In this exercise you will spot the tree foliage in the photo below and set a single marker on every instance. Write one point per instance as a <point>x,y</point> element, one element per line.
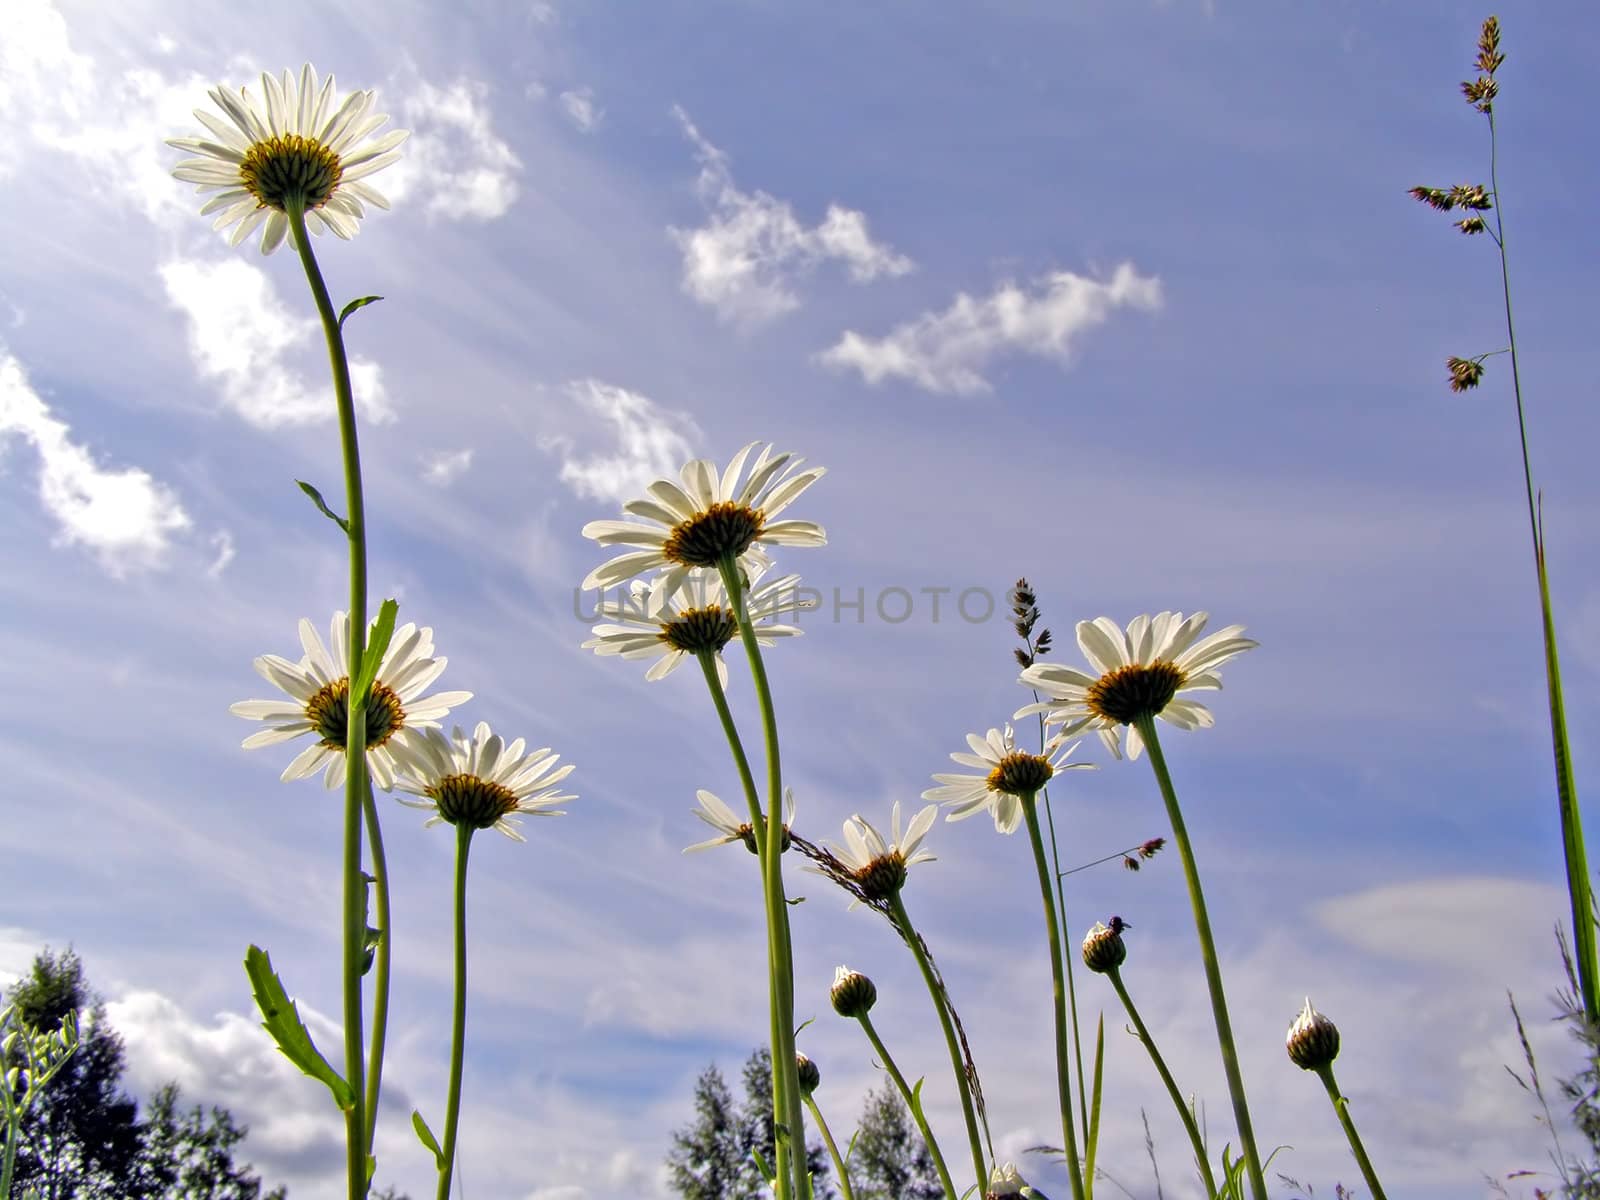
<point>713,1158</point>
<point>84,1138</point>
<point>890,1161</point>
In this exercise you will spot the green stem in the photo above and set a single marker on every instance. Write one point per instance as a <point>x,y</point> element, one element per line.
<point>1058,1007</point>
<point>1185,1114</point>
<point>1578,886</point>
<point>1208,953</point>
<point>790,1115</point>
<point>914,1105</point>
<point>1341,1107</point>
<point>719,699</point>
<point>380,986</point>
<point>958,1063</point>
<point>1072,990</point>
<point>833,1150</point>
<point>458,1019</point>
<point>355,931</point>
<point>9,1165</point>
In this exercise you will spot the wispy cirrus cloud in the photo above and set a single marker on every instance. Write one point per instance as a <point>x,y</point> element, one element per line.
<point>581,110</point>
<point>648,442</point>
<point>948,351</point>
<point>241,336</point>
<point>745,260</point>
<point>125,517</point>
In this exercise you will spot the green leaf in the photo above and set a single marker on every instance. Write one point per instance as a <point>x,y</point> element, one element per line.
<point>377,647</point>
<point>1093,1139</point>
<point>282,1021</point>
<point>322,505</point>
<point>355,304</point>
<point>425,1135</point>
<point>767,1172</point>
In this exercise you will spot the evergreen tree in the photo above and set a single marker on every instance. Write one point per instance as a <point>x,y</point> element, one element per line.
<point>712,1159</point>
<point>706,1159</point>
<point>187,1157</point>
<point>890,1160</point>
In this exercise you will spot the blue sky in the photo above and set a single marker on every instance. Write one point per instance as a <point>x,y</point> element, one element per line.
<point>1128,298</point>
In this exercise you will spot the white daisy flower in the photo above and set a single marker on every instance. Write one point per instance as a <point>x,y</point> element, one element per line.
<point>302,150</point>
<point>696,522</point>
<point>878,865</point>
<point>1009,774</point>
<point>671,626</point>
<point>480,781</point>
<point>319,691</point>
<point>715,813</point>
<point>1141,673</point>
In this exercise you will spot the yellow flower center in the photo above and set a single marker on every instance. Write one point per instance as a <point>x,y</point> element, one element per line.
<point>329,713</point>
<point>1128,693</point>
<point>724,528</point>
<point>1020,774</point>
<point>288,167</point>
<point>469,800</point>
<point>697,630</point>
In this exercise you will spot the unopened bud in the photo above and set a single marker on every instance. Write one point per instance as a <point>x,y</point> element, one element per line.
<point>1103,948</point>
<point>810,1077</point>
<point>853,994</point>
<point>1313,1041</point>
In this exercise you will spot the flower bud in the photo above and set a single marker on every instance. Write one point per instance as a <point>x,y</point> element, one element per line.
<point>810,1077</point>
<point>853,994</point>
<point>1103,948</point>
<point>1313,1041</point>
<point>1006,1181</point>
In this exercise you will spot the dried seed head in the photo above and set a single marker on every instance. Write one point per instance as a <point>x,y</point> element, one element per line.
<point>1471,225</point>
<point>1024,659</point>
<point>1464,373</point>
<point>1130,862</point>
<point>1151,848</point>
<point>1313,1040</point>
<point>1480,92</point>
<point>1489,56</point>
<point>1435,198</point>
<point>1471,195</point>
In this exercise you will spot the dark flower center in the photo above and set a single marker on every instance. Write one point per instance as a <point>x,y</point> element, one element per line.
<point>697,630</point>
<point>469,800</point>
<point>747,835</point>
<point>703,540</point>
<point>1020,774</point>
<point>329,714</point>
<point>1128,693</point>
<point>288,167</point>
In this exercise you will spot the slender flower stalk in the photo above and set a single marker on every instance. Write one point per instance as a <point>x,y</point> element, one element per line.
<point>853,995</point>
<point>913,1103</point>
<point>1146,727</point>
<point>1058,999</point>
<point>381,965</point>
<point>810,1079</point>
<point>1103,952</point>
<point>1313,1044</point>
<point>958,1062</point>
<point>355,784</point>
<point>1466,373</point>
<point>458,1017</point>
<point>789,1116</point>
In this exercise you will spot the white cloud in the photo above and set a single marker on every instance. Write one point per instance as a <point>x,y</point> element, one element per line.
<point>947,351</point>
<point>37,61</point>
<point>124,517</point>
<point>240,334</point>
<point>222,542</point>
<point>650,442</point>
<point>581,109</point>
<point>744,261</point>
<point>443,468</point>
<point>455,164</point>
